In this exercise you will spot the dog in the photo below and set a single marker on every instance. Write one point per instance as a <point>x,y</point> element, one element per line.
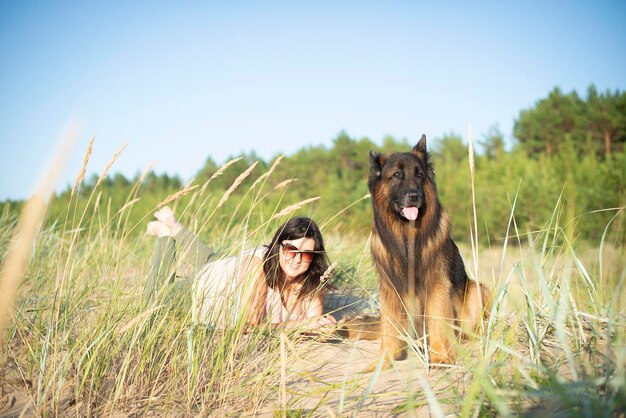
<point>421,273</point>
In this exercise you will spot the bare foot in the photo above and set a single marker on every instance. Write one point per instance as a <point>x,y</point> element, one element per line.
<point>158,229</point>
<point>166,216</point>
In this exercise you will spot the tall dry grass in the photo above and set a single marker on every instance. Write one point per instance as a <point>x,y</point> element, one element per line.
<point>81,342</point>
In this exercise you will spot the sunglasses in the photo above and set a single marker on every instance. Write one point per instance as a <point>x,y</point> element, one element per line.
<point>291,251</point>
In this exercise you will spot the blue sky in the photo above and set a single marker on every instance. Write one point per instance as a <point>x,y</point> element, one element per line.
<point>181,81</point>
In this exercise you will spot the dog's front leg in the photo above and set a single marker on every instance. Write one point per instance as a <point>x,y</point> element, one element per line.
<point>439,315</point>
<point>393,328</point>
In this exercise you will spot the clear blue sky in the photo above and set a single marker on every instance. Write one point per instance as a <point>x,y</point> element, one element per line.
<point>180,81</point>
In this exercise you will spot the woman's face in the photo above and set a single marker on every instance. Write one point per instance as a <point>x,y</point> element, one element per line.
<point>295,256</point>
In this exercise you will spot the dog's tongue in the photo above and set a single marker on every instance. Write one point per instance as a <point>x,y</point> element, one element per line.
<point>410,212</point>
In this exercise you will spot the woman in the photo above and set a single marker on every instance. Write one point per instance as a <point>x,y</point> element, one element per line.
<point>280,284</point>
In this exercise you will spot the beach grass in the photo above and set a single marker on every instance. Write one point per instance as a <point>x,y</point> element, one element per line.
<point>79,339</point>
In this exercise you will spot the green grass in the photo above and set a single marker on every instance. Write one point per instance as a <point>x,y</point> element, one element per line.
<point>80,341</point>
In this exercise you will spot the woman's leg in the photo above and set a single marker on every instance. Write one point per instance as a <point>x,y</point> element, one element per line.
<point>193,254</point>
<point>161,267</point>
<point>182,255</point>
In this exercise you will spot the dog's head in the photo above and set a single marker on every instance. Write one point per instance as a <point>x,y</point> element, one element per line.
<point>398,179</point>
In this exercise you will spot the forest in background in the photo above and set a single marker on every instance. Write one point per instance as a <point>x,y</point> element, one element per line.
<point>567,169</point>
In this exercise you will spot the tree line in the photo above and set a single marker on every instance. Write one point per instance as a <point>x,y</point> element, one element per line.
<point>566,171</point>
<point>595,124</point>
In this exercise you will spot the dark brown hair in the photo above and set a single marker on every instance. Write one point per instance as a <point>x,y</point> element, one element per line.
<point>296,228</point>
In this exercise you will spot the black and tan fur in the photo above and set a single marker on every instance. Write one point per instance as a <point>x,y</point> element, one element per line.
<point>416,257</point>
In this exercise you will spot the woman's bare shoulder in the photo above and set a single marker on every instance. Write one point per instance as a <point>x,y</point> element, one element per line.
<point>253,260</point>
<point>254,255</point>
<point>252,265</point>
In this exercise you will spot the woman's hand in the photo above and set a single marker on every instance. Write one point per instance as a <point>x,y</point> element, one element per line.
<point>326,321</point>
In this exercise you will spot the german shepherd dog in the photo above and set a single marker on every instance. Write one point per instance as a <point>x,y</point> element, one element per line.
<point>422,275</point>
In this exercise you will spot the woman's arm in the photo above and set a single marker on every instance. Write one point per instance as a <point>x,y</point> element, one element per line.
<point>312,315</point>
<point>313,318</point>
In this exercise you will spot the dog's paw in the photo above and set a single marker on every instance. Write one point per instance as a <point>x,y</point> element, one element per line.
<point>385,360</point>
<point>436,358</point>
<point>386,364</point>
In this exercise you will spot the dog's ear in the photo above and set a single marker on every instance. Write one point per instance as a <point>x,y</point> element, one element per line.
<point>376,165</point>
<point>420,148</point>
<point>421,151</point>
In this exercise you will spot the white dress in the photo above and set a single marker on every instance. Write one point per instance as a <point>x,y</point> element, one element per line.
<point>222,292</point>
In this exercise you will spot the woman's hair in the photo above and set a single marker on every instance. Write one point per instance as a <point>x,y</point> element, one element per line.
<point>293,229</point>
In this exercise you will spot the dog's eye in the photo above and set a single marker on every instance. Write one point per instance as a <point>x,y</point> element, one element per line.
<point>419,174</point>
<point>398,174</point>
